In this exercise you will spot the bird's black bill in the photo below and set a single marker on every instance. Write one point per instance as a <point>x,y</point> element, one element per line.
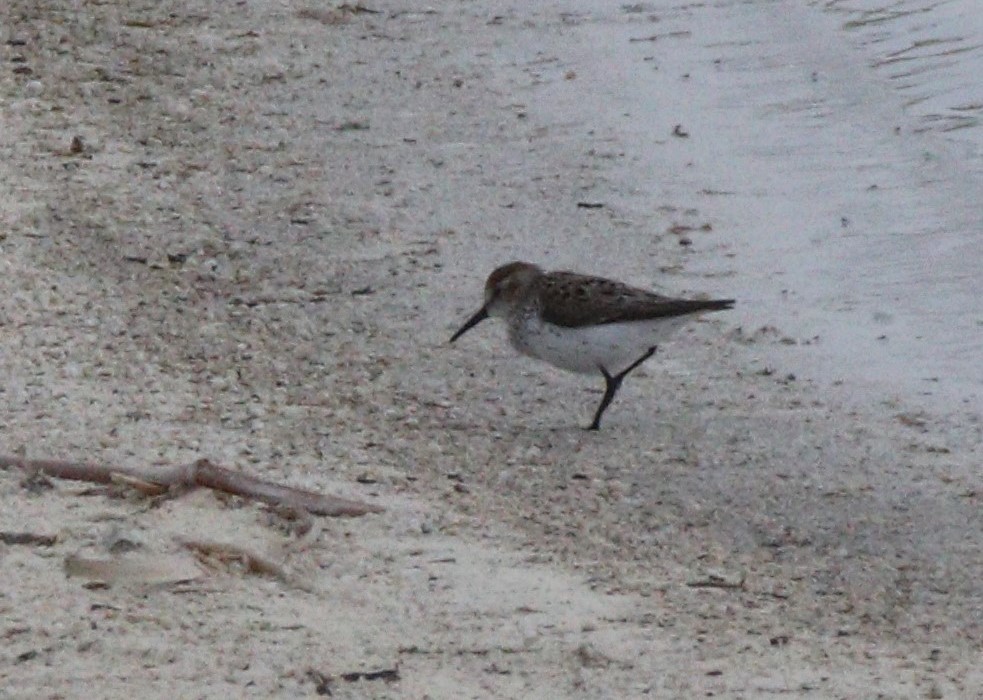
<point>472,322</point>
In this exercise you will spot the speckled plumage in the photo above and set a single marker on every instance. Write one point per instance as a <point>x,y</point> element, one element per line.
<point>583,323</point>
<point>574,300</point>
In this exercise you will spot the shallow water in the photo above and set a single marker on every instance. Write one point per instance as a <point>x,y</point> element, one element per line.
<point>900,150</point>
<point>836,149</point>
<point>931,52</point>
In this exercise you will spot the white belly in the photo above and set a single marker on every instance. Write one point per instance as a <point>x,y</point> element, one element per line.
<point>586,349</point>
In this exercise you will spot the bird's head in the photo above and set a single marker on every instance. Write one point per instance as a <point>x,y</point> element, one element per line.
<point>505,288</point>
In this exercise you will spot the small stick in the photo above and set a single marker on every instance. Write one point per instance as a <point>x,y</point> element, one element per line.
<point>716,582</point>
<point>253,563</point>
<point>28,538</point>
<point>199,474</point>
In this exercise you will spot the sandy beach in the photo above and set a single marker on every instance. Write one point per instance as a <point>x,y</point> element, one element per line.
<point>246,231</point>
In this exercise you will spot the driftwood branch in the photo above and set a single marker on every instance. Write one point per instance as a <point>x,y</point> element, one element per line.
<point>199,474</point>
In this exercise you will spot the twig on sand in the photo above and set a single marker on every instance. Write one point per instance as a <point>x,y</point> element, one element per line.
<point>224,554</point>
<point>714,581</point>
<point>30,538</point>
<point>199,474</point>
<point>323,681</point>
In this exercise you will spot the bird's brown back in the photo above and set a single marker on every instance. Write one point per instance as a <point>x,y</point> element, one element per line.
<point>573,300</point>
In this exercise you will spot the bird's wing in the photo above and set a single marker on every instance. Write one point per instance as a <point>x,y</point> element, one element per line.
<point>573,300</point>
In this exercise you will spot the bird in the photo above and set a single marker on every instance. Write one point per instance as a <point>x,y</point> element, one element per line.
<point>583,323</point>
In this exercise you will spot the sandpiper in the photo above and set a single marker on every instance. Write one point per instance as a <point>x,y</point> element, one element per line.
<point>583,323</point>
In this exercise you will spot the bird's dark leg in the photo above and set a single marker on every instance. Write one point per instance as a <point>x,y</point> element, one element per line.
<point>613,383</point>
